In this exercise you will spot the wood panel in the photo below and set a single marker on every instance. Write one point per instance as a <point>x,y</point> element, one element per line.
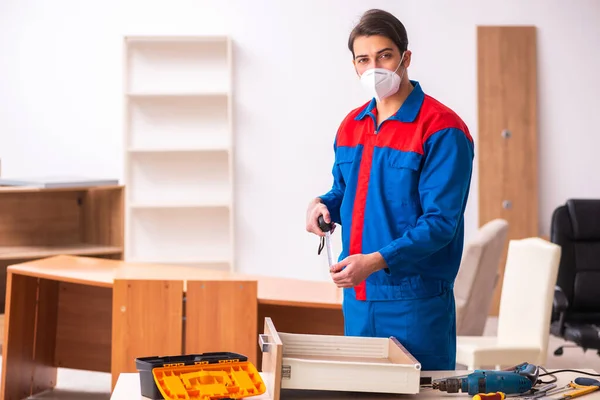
<point>102,221</point>
<point>272,359</point>
<point>3,284</point>
<point>39,218</point>
<point>507,102</point>
<point>221,316</point>
<point>44,373</point>
<point>146,321</point>
<point>19,337</point>
<point>304,320</point>
<point>83,336</point>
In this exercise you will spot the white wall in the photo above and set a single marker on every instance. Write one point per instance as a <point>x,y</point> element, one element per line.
<point>60,95</point>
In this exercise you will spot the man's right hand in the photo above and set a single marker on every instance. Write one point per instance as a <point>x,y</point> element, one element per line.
<point>315,209</point>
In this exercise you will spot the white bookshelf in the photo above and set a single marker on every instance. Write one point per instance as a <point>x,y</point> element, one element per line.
<point>179,151</point>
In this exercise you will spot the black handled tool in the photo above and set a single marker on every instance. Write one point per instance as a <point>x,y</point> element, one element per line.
<point>325,227</point>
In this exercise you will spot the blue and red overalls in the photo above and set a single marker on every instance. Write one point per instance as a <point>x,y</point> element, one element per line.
<point>401,188</point>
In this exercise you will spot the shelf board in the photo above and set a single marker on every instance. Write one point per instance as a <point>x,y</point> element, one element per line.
<point>175,261</point>
<point>27,252</point>
<point>193,149</point>
<point>208,93</point>
<point>176,38</point>
<point>29,189</point>
<point>207,204</point>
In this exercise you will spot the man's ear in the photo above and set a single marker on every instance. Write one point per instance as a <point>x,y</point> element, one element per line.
<point>407,58</point>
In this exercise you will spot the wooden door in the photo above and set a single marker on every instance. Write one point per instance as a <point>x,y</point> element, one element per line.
<point>507,136</point>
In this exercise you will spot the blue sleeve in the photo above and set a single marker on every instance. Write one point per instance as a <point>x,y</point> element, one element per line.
<point>443,190</point>
<point>333,198</point>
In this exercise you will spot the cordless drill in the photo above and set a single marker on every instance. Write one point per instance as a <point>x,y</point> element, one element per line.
<point>519,380</point>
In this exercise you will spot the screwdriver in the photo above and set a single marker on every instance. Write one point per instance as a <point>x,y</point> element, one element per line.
<point>325,227</point>
<point>490,396</point>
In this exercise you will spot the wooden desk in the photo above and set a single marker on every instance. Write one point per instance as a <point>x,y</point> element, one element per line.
<point>97,314</point>
<point>128,388</point>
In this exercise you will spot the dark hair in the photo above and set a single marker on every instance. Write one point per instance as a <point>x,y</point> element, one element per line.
<point>379,22</point>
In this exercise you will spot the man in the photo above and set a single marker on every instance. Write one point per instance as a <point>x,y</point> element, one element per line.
<point>401,180</point>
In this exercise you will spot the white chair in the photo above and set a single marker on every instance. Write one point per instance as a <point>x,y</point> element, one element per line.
<point>525,310</point>
<point>477,277</point>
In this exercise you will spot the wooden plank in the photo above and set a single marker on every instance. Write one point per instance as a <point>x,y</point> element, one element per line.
<point>507,99</point>
<point>146,321</point>
<point>45,371</point>
<point>19,337</point>
<point>221,316</point>
<point>83,335</point>
<point>272,359</point>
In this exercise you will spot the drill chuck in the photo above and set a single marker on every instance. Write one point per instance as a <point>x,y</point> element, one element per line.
<point>450,385</point>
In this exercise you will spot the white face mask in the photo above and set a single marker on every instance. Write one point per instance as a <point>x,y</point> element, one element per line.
<point>380,82</point>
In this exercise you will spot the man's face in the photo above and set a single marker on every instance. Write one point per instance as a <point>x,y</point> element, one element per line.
<point>377,52</point>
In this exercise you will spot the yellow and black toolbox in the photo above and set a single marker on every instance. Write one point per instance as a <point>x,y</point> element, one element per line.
<point>206,376</point>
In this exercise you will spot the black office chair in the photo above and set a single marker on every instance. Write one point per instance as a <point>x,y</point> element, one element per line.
<point>576,309</point>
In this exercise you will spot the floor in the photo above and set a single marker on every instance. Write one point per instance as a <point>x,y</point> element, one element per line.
<point>73,384</point>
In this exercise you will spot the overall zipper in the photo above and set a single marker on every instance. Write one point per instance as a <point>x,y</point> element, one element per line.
<point>377,128</point>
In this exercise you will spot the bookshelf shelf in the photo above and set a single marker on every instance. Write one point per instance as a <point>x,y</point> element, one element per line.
<point>178,150</point>
<point>178,121</point>
<point>173,95</point>
<point>164,205</point>
<point>176,235</point>
<point>175,66</point>
<point>195,149</point>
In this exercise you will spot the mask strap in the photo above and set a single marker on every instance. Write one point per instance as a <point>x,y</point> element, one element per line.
<point>401,61</point>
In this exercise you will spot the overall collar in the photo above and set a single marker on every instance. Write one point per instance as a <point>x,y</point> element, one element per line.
<point>407,112</point>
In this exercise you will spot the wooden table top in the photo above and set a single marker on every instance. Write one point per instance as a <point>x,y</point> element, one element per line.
<point>128,387</point>
<point>101,272</point>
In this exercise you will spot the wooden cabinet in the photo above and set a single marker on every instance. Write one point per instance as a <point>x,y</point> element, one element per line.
<point>37,223</point>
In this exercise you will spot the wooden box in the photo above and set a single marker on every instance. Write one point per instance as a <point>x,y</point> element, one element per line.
<point>336,363</point>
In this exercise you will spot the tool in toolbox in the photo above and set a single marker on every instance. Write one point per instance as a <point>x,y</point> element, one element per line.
<point>206,376</point>
<point>518,380</point>
<point>325,227</point>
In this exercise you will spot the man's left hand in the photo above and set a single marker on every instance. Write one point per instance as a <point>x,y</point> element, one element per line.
<point>357,268</point>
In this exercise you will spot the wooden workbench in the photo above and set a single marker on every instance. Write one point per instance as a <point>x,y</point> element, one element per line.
<point>128,388</point>
<point>99,315</point>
